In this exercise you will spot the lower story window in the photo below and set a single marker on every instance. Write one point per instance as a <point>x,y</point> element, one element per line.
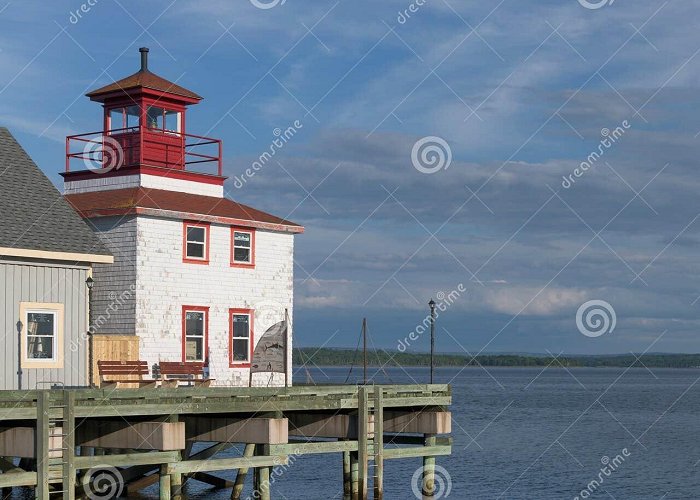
<point>195,327</point>
<point>241,331</point>
<point>42,335</point>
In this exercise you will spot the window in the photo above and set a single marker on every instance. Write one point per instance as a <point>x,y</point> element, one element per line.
<point>195,326</point>
<point>163,119</point>
<point>242,247</point>
<point>196,243</point>
<point>241,337</point>
<point>42,335</point>
<point>124,117</point>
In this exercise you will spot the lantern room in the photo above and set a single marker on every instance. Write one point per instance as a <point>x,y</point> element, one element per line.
<point>144,127</point>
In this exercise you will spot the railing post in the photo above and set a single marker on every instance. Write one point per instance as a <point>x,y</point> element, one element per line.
<point>68,445</point>
<point>220,157</point>
<point>41,451</point>
<point>362,435</point>
<point>378,443</point>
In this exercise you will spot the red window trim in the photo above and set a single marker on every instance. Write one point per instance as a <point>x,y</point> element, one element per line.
<point>251,315</point>
<point>205,310</point>
<point>191,260</point>
<point>241,229</point>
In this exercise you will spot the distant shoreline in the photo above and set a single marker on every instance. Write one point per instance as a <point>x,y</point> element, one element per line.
<point>329,357</point>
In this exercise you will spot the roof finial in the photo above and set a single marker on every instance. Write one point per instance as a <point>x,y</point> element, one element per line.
<point>144,58</point>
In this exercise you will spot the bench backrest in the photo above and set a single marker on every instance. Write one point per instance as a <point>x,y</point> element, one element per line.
<point>131,368</point>
<point>180,369</point>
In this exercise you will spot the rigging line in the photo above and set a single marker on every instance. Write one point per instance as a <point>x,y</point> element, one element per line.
<point>379,361</point>
<point>354,356</point>
<point>306,368</point>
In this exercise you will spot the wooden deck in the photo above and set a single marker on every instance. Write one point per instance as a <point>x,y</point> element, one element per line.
<point>62,437</point>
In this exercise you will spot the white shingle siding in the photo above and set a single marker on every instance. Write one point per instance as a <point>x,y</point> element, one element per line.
<point>113,293</point>
<point>101,184</point>
<point>164,283</point>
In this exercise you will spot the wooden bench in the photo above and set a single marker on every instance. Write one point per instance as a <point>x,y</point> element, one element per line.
<point>129,373</point>
<point>174,372</point>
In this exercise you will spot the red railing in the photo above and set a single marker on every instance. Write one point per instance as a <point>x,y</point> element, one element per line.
<point>109,150</point>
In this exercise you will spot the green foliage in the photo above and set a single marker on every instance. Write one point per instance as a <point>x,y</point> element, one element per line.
<point>344,357</point>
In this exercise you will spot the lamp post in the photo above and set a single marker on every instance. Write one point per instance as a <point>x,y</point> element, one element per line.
<point>89,282</point>
<point>432,338</point>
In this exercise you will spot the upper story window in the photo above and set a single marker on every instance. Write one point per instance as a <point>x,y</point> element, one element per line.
<point>42,335</point>
<point>164,120</point>
<point>196,242</point>
<point>124,117</point>
<point>242,247</point>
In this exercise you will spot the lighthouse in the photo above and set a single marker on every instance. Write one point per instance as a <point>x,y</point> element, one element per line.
<point>197,276</point>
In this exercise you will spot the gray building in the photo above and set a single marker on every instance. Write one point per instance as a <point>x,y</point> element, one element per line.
<point>46,255</point>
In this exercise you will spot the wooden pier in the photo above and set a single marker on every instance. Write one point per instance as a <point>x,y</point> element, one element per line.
<point>64,441</point>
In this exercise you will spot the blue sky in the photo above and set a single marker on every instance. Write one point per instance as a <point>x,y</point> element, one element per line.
<point>521,92</point>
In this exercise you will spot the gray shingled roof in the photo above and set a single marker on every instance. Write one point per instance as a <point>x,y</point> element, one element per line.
<point>33,214</point>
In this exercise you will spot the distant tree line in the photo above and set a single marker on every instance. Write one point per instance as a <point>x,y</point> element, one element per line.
<point>345,357</point>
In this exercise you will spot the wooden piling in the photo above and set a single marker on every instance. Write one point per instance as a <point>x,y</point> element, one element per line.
<point>347,476</point>
<point>241,474</point>
<point>429,470</point>
<point>164,483</point>
<point>355,476</point>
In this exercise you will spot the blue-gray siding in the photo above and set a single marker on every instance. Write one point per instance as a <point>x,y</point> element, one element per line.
<point>41,282</point>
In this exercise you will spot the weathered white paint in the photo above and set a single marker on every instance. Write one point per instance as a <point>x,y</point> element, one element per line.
<point>181,185</point>
<point>143,180</point>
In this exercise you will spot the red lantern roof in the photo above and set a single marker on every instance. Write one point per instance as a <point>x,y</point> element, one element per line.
<point>142,79</point>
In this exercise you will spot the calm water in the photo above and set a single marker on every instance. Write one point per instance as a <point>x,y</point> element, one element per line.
<point>524,433</point>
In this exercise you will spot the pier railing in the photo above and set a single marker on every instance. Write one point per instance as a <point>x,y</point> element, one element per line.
<point>108,150</point>
<point>145,435</point>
